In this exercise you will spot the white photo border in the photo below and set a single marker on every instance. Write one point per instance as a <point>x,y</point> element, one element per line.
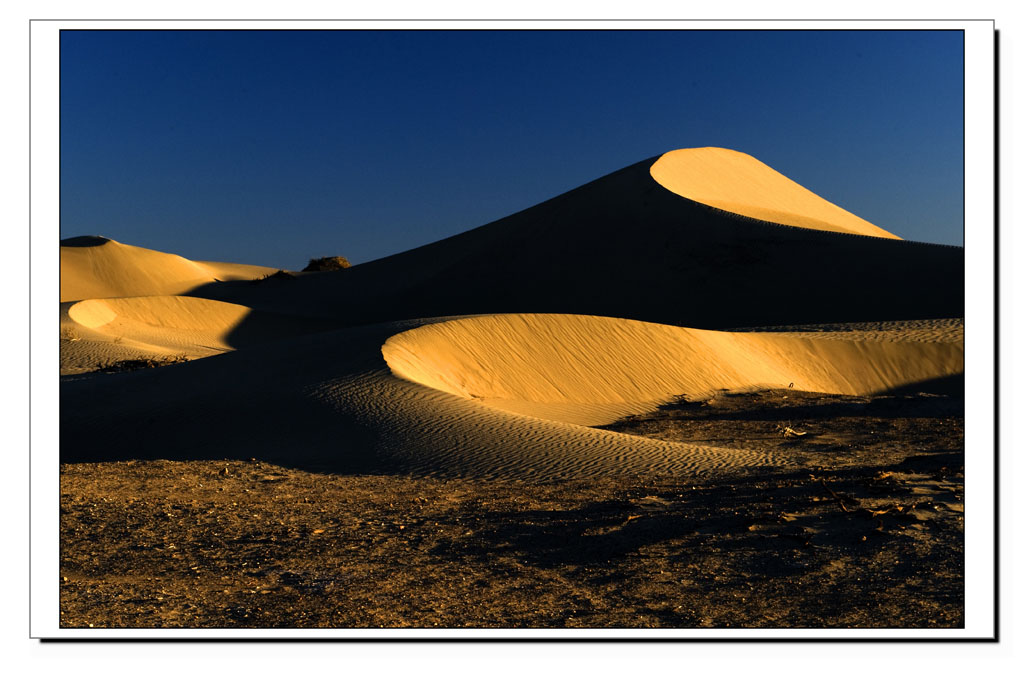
<point>980,320</point>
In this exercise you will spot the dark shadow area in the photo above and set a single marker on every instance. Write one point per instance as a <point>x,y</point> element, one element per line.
<point>281,428</point>
<point>609,530</point>
<point>952,386</point>
<point>262,327</point>
<point>784,405</point>
<point>864,533</point>
<point>251,403</point>
<point>84,241</point>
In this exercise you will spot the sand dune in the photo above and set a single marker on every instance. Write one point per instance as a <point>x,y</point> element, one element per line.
<point>159,312</point>
<point>739,183</point>
<point>329,402</point>
<point>93,267</point>
<point>99,332</point>
<point>120,302</point>
<point>605,368</point>
<point>491,353</point>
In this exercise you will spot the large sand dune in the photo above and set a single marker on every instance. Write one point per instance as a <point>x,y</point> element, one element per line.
<point>627,246</point>
<point>570,314</point>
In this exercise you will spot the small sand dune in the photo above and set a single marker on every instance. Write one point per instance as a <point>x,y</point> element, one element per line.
<point>124,303</point>
<point>93,267</point>
<point>742,184</point>
<point>593,370</point>
<point>159,312</point>
<point>99,332</point>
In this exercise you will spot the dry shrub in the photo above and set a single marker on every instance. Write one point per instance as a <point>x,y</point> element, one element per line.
<point>327,264</point>
<point>132,364</point>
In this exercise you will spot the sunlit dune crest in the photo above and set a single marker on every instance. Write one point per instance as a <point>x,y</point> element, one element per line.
<point>93,267</point>
<point>741,184</point>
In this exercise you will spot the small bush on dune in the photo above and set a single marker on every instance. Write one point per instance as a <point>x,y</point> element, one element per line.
<point>327,264</point>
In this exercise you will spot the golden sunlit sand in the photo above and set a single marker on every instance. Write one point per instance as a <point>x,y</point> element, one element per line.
<point>593,370</point>
<point>739,183</point>
<point>96,267</point>
<point>512,351</point>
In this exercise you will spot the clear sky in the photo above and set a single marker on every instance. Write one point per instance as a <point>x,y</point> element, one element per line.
<point>271,147</point>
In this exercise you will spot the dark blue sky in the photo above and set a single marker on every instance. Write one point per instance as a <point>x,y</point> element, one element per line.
<point>274,147</point>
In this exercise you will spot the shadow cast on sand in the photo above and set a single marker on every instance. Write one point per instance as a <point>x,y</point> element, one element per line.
<point>84,241</point>
<point>254,403</point>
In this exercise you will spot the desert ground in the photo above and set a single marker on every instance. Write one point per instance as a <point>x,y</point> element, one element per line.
<point>689,394</point>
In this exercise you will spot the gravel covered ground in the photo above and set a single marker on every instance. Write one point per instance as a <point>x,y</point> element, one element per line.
<point>861,527</point>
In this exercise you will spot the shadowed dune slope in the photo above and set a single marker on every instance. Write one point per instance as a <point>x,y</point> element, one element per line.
<point>93,267</point>
<point>739,183</point>
<point>626,246</point>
